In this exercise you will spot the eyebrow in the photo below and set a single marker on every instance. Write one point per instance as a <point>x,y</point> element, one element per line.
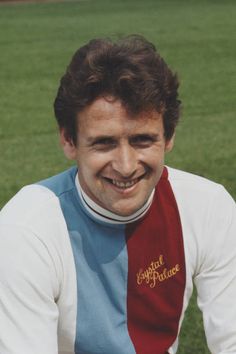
<point>93,140</point>
<point>148,135</point>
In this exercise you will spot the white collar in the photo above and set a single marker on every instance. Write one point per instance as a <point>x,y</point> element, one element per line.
<point>105,215</point>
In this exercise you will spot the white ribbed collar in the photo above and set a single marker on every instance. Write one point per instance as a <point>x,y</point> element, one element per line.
<point>105,215</point>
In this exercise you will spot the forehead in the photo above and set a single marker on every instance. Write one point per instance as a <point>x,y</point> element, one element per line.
<point>109,111</point>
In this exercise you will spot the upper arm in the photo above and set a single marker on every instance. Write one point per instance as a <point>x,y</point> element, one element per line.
<point>28,291</point>
<point>216,278</point>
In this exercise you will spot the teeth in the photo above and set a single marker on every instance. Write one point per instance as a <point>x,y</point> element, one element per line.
<point>124,184</point>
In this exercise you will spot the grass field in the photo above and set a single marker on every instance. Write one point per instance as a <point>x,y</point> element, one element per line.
<point>197,38</point>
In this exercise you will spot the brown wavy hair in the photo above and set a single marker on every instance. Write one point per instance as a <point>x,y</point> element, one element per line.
<point>130,70</point>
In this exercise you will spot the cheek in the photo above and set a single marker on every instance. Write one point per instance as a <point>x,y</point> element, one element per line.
<point>91,165</point>
<point>155,161</point>
<point>153,156</point>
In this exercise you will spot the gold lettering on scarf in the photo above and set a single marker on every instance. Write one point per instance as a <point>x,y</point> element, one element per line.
<point>156,272</point>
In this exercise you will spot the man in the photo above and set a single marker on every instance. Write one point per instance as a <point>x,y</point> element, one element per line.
<point>101,258</point>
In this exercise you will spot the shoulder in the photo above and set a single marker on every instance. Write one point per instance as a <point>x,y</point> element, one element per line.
<point>30,201</point>
<point>198,193</point>
<point>39,200</point>
<point>191,181</point>
<point>34,215</point>
<point>33,222</point>
<point>197,190</point>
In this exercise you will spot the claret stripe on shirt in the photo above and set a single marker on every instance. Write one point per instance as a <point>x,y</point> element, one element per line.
<point>156,274</point>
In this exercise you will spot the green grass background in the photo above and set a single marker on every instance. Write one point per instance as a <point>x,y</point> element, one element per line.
<point>197,38</point>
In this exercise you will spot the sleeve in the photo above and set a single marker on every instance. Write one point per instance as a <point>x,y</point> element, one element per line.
<point>216,278</point>
<point>28,291</point>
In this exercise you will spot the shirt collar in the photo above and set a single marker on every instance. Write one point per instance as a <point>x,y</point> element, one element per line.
<point>105,215</point>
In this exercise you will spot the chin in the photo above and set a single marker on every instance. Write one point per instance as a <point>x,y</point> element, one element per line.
<point>125,211</point>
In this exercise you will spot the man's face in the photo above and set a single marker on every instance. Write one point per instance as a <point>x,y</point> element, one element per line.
<point>120,158</point>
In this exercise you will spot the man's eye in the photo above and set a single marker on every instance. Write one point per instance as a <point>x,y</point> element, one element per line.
<point>142,140</point>
<point>104,143</point>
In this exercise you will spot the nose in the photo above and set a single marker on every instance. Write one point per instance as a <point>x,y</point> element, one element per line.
<point>125,161</point>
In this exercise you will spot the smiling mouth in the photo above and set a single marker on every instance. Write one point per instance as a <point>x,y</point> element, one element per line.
<point>123,184</point>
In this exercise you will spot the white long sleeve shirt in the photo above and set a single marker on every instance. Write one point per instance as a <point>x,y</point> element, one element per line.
<point>74,278</point>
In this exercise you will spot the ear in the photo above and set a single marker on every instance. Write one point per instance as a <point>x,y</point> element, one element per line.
<point>68,146</point>
<point>170,143</point>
